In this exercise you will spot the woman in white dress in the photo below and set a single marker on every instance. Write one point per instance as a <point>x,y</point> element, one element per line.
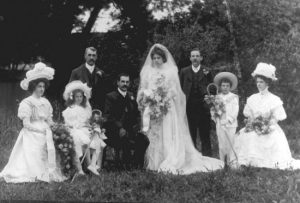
<point>171,148</point>
<point>33,155</point>
<point>269,149</point>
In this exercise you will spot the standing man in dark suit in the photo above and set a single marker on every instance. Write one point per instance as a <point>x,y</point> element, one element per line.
<point>123,124</point>
<point>89,73</point>
<point>194,80</point>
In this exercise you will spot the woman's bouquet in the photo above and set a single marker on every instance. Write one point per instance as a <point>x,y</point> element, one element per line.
<point>157,100</point>
<point>64,146</point>
<point>261,125</point>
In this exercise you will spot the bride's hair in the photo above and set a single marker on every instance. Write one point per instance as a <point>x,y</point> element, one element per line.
<point>160,52</point>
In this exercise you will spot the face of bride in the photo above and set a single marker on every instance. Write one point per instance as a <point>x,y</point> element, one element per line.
<point>261,84</point>
<point>157,60</point>
<point>39,89</point>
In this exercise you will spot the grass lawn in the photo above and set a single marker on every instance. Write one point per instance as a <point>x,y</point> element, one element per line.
<point>244,185</point>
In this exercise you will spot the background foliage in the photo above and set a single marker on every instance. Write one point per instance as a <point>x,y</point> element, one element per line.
<point>263,31</point>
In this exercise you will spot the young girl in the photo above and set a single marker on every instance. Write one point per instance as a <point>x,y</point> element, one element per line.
<point>77,117</point>
<point>97,136</point>
<point>226,123</point>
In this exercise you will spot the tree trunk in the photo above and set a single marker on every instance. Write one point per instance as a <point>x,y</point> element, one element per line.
<point>236,60</point>
<point>92,19</point>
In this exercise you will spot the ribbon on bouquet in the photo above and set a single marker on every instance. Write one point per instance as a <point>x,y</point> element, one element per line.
<point>146,119</point>
<point>51,151</point>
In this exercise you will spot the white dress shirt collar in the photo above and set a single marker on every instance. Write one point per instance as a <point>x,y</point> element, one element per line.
<point>123,93</point>
<point>196,69</point>
<point>89,67</point>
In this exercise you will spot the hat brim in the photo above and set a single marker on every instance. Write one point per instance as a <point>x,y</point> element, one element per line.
<point>229,76</point>
<point>76,84</point>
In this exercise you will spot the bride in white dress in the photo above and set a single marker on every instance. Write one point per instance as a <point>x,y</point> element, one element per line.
<point>171,148</point>
<point>270,149</point>
<point>33,155</point>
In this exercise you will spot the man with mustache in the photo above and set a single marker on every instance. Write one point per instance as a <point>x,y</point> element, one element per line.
<point>194,80</point>
<point>123,125</point>
<point>89,73</point>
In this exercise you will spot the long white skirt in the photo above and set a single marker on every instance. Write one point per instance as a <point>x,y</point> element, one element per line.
<point>269,151</point>
<point>28,161</point>
<point>171,148</point>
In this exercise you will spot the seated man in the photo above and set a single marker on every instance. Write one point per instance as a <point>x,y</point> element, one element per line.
<point>123,124</point>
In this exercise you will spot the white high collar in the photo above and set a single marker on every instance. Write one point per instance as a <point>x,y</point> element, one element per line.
<point>123,93</point>
<point>196,69</point>
<point>89,67</point>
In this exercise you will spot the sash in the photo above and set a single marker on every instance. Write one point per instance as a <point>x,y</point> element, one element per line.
<point>51,151</point>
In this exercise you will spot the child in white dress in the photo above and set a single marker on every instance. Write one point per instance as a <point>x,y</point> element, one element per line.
<point>226,123</point>
<point>77,116</point>
<point>97,136</point>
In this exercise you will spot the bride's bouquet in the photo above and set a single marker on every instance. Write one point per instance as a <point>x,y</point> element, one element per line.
<point>261,125</point>
<point>157,100</point>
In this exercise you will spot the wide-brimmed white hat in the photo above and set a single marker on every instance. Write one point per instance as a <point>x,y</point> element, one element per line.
<point>264,69</point>
<point>40,70</point>
<point>77,85</point>
<point>230,76</point>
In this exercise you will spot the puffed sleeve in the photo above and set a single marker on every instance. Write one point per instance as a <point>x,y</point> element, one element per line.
<point>68,117</point>
<point>247,111</point>
<point>24,110</point>
<point>277,110</point>
<point>24,113</point>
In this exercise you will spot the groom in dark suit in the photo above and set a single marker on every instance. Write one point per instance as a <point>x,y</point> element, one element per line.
<point>194,80</point>
<point>89,73</point>
<point>123,124</point>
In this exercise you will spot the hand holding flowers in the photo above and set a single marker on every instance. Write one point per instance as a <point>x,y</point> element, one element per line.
<point>261,125</point>
<point>216,104</point>
<point>157,99</point>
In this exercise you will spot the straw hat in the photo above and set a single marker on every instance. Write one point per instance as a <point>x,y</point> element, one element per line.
<point>40,70</point>
<point>75,85</point>
<point>230,76</point>
<point>264,69</point>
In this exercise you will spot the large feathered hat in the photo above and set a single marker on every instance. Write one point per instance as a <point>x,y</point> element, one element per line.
<point>264,69</point>
<point>75,85</point>
<point>40,70</point>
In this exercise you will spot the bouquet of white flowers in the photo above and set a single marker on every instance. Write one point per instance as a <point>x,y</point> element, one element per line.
<point>156,101</point>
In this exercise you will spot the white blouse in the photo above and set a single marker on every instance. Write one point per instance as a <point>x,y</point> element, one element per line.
<point>265,104</point>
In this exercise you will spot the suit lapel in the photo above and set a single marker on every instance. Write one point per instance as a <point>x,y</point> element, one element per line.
<point>86,74</point>
<point>190,74</point>
<point>201,74</point>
